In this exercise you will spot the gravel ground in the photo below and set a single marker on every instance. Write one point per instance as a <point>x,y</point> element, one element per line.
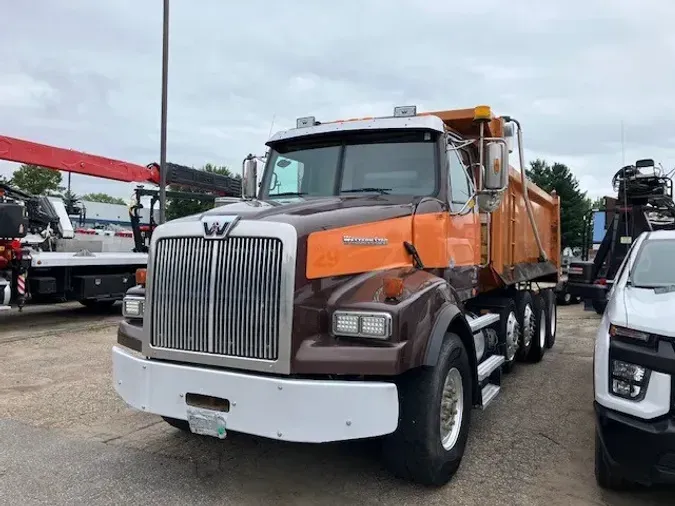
<point>65,437</point>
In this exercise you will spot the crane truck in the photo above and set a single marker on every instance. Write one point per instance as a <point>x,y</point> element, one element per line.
<point>33,268</point>
<point>644,203</point>
<point>375,282</point>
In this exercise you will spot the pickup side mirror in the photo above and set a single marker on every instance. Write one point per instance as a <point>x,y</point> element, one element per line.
<point>249,185</point>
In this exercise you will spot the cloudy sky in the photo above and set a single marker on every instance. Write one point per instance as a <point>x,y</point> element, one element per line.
<point>86,74</point>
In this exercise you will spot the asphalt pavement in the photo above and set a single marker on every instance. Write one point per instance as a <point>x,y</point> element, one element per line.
<point>65,437</point>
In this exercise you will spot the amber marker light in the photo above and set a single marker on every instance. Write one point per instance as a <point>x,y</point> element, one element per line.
<point>141,275</point>
<point>393,287</point>
<point>482,113</point>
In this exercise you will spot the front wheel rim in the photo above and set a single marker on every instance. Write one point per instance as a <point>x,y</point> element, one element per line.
<point>452,408</point>
<point>554,319</point>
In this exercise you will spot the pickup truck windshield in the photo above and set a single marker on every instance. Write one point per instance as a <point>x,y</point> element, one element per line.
<point>653,266</point>
<point>392,163</point>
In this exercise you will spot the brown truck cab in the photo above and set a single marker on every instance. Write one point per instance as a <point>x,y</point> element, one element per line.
<point>374,281</point>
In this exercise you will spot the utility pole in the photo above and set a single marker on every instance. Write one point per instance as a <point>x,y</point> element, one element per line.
<point>162,141</point>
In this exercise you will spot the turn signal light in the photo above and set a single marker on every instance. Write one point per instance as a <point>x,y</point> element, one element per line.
<point>141,275</point>
<point>393,288</point>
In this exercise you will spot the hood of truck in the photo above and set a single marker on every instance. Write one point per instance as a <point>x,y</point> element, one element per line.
<point>643,309</point>
<point>320,213</point>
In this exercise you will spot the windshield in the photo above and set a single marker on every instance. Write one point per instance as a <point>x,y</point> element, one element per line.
<point>392,163</point>
<point>654,265</point>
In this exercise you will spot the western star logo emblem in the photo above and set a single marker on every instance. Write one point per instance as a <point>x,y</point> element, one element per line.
<point>218,227</point>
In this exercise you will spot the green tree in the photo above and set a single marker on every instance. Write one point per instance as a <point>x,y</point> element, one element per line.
<point>37,180</point>
<point>71,201</point>
<point>178,208</point>
<point>598,203</point>
<point>104,198</point>
<point>574,205</point>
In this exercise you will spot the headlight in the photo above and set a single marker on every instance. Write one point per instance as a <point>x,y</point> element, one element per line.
<point>628,380</point>
<point>132,307</point>
<point>362,324</point>
<point>616,331</point>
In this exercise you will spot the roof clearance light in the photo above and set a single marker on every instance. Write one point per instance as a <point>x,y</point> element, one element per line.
<point>307,121</point>
<point>482,113</point>
<point>405,111</point>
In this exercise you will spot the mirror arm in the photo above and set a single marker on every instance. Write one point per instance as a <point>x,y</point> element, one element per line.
<point>464,207</point>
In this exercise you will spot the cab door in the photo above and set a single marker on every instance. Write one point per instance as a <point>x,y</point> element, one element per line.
<point>463,231</point>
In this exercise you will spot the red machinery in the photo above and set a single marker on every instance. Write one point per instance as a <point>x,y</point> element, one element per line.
<point>63,279</point>
<point>68,160</point>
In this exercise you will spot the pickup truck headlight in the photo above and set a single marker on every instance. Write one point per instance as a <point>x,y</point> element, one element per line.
<point>628,380</point>
<point>370,325</point>
<point>132,307</point>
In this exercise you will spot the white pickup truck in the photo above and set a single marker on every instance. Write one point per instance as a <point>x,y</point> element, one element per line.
<point>634,369</point>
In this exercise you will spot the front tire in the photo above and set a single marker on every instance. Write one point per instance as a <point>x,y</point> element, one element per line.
<point>435,413</point>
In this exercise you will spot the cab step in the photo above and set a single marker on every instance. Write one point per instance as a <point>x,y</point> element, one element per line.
<point>483,321</point>
<point>488,366</point>
<point>488,394</point>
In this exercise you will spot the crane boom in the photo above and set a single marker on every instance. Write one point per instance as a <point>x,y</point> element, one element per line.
<point>69,160</point>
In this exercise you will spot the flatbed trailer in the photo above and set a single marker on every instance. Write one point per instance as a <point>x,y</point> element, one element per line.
<point>376,282</point>
<point>97,280</point>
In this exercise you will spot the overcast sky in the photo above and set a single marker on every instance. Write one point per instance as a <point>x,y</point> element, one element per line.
<point>86,74</point>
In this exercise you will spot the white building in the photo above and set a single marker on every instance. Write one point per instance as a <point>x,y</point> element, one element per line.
<point>114,215</point>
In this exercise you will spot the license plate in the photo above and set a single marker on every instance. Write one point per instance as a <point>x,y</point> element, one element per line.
<point>207,422</point>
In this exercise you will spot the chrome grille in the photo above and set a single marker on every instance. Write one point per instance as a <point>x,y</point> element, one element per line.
<point>217,297</point>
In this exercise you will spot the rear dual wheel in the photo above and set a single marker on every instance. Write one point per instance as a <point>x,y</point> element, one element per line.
<point>550,302</point>
<point>527,320</point>
<point>540,328</point>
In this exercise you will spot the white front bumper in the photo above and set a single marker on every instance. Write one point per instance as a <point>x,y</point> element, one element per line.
<point>309,411</point>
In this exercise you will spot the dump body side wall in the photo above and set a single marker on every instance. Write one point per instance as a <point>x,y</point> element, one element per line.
<point>512,238</point>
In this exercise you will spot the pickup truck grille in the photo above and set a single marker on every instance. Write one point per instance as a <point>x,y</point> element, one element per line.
<point>220,297</point>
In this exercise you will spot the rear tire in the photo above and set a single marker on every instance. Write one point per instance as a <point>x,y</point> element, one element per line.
<point>507,330</point>
<point>565,298</point>
<point>538,348</point>
<point>416,451</point>
<point>550,301</point>
<point>526,320</point>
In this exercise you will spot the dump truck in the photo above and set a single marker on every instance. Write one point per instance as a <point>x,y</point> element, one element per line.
<point>377,279</point>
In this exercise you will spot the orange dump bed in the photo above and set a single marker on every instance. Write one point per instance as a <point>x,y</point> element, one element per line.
<point>512,240</point>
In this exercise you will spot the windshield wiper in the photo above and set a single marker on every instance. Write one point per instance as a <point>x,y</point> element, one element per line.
<point>383,191</point>
<point>664,289</point>
<point>287,194</point>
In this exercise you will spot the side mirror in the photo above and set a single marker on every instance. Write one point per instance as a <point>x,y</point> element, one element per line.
<point>496,175</point>
<point>249,185</point>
